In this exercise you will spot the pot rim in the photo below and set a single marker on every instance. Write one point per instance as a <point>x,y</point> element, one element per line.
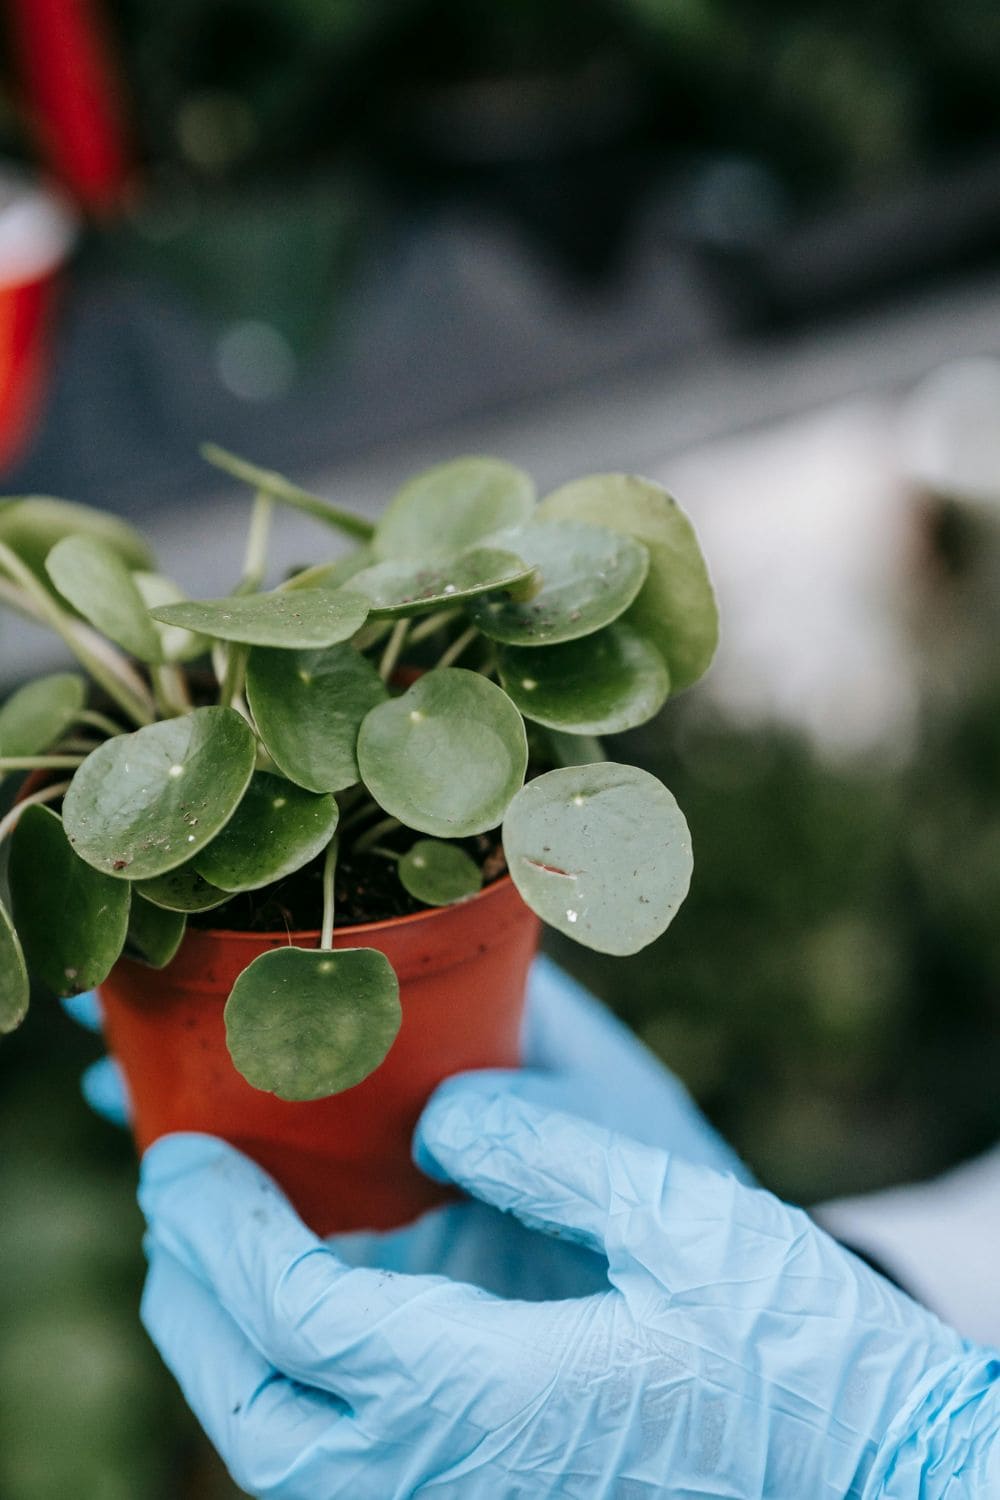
<point>410,918</point>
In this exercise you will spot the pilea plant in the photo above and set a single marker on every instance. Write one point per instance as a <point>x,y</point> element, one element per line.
<point>427,709</point>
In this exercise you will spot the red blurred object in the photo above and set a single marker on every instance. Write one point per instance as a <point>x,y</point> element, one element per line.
<point>37,231</point>
<point>73,92</point>
<point>345,1161</point>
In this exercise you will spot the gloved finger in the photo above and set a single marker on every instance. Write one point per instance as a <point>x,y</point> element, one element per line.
<point>554,1171</point>
<point>314,1318</point>
<point>617,1081</point>
<point>84,1009</point>
<point>104,1088</point>
<point>276,1438</point>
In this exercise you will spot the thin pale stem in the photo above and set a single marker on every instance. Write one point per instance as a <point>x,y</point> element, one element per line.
<point>99,721</point>
<point>277,487</point>
<point>232,681</point>
<point>75,742</point>
<point>41,762</point>
<point>170,689</point>
<point>255,558</point>
<point>394,646</point>
<point>432,625</point>
<point>358,815</point>
<point>460,644</point>
<point>370,839</point>
<point>370,634</point>
<point>105,667</point>
<point>329,871</point>
<point>385,853</point>
<point>47,794</point>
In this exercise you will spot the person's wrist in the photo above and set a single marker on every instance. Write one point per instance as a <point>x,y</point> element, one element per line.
<point>946,1434</point>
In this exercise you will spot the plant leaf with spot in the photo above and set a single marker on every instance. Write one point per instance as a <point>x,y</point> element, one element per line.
<point>144,803</point>
<point>452,506</point>
<point>398,587</point>
<point>308,707</point>
<point>15,990</point>
<point>39,714</point>
<point>609,682</point>
<point>306,1023</point>
<point>70,918</point>
<point>589,575</point>
<point>32,526</point>
<point>293,619</point>
<point>601,852</point>
<point>676,609</point>
<point>439,873</point>
<point>447,756</point>
<point>276,829</point>
<point>154,933</point>
<point>182,890</point>
<point>175,644</point>
<point>92,577</point>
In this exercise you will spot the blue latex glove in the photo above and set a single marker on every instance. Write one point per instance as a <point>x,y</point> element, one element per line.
<point>594,1066</point>
<point>736,1352</point>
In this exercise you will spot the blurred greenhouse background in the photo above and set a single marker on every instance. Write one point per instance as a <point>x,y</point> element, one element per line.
<point>752,250</point>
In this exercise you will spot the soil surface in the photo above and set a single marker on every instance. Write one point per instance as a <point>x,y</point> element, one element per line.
<point>367,889</point>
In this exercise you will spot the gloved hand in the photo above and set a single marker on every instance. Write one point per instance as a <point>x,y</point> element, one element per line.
<point>591,1065</point>
<point>736,1352</point>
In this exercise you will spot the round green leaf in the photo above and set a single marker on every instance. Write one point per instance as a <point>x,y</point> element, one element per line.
<point>33,525</point>
<point>276,829</point>
<point>70,918</point>
<point>306,1023</point>
<point>604,684</point>
<point>308,707</point>
<point>439,873</point>
<point>600,852</point>
<point>452,506</point>
<point>15,991</point>
<point>38,715</point>
<point>589,575</point>
<point>447,756</point>
<point>293,619</point>
<point>676,609</point>
<point>144,803</point>
<point>398,587</point>
<point>154,934</point>
<point>181,890</point>
<point>175,644</point>
<point>92,577</point>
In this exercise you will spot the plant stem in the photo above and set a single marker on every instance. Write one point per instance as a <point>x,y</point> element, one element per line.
<point>232,681</point>
<point>255,557</point>
<point>375,832</point>
<point>40,762</point>
<point>108,672</point>
<point>73,742</point>
<point>170,690</point>
<point>371,632</point>
<point>391,654</point>
<point>385,853</point>
<point>457,646</point>
<point>277,487</point>
<point>47,794</point>
<point>432,625</point>
<point>99,721</point>
<point>329,871</point>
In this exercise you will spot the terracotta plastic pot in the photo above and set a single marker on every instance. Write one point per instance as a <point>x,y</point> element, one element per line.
<point>345,1161</point>
<point>36,234</point>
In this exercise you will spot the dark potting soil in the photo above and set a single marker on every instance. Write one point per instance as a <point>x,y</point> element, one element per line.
<point>367,889</point>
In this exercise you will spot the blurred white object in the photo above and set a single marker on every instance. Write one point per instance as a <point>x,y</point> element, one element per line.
<point>949,430</point>
<point>808,530</point>
<point>938,1238</point>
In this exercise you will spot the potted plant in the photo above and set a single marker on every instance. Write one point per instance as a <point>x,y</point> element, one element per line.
<point>300,837</point>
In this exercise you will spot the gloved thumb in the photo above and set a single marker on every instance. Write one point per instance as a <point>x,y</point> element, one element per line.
<point>552,1170</point>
